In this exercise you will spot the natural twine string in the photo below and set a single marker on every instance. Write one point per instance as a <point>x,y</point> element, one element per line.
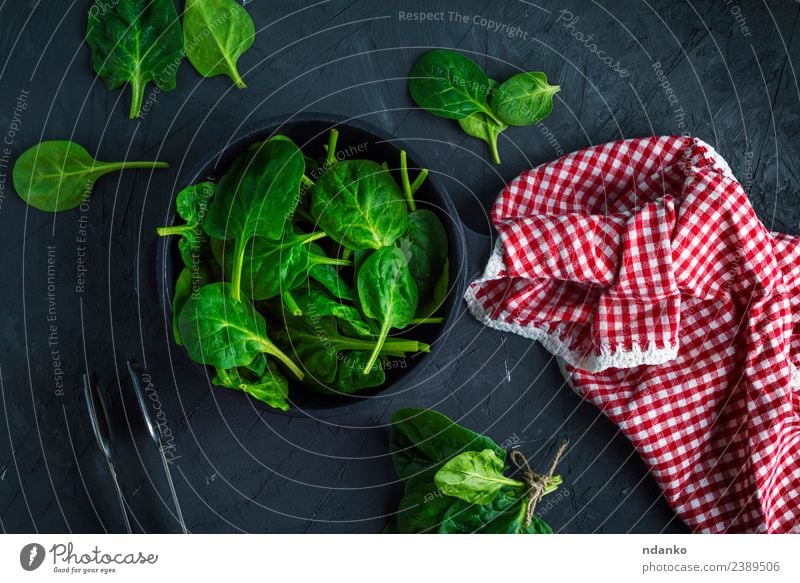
<point>535,483</point>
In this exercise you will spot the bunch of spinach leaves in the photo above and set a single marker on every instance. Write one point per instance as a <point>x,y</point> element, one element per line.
<point>455,480</point>
<point>272,287</point>
<point>137,42</point>
<point>452,86</point>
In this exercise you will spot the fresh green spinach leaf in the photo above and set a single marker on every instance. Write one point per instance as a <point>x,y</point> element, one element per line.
<point>524,99</point>
<point>441,289</point>
<point>189,280</point>
<point>268,386</point>
<point>192,204</point>
<point>316,303</point>
<point>505,514</point>
<point>215,34</point>
<point>358,204</point>
<point>449,85</point>
<point>387,293</point>
<point>135,42</point>
<point>59,175</point>
<point>426,246</point>
<point>422,508</point>
<point>271,268</point>
<point>257,197</point>
<point>483,127</point>
<point>474,477</point>
<point>329,357</point>
<point>424,440</point>
<point>223,333</point>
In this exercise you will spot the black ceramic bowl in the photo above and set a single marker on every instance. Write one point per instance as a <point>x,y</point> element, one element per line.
<point>356,140</point>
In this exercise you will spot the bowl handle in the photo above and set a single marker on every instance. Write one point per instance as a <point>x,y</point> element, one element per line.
<point>478,247</point>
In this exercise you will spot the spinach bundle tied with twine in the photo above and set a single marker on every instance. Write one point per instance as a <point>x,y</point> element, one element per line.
<point>456,483</point>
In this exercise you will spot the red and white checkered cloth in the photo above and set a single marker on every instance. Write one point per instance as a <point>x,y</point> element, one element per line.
<point>642,266</point>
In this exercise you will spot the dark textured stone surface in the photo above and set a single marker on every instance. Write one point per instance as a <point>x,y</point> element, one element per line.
<point>241,467</point>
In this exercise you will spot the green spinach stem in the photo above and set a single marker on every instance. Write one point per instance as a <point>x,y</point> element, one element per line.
<point>234,74</point>
<point>427,321</point>
<point>238,263</point>
<point>378,345</point>
<point>311,237</point>
<point>423,174</point>
<point>307,181</point>
<point>406,183</point>
<point>269,348</point>
<point>493,148</point>
<point>330,157</point>
<point>174,230</point>
<point>320,260</point>
<point>113,166</point>
<point>137,95</point>
<point>291,304</point>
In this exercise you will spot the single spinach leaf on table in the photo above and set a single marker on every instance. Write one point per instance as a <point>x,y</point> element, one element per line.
<point>135,42</point>
<point>257,197</point>
<point>387,293</point>
<point>524,99</point>
<point>268,386</point>
<point>59,175</point>
<point>449,85</point>
<point>359,205</point>
<point>423,440</point>
<point>426,246</point>
<point>191,204</point>
<point>224,333</point>
<point>215,34</point>
<point>475,477</point>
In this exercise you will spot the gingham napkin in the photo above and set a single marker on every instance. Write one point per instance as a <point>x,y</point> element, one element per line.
<point>641,265</point>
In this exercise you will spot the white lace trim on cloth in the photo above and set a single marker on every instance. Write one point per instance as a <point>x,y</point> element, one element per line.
<point>606,358</point>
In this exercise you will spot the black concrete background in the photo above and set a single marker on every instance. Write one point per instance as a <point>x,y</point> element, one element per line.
<point>241,467</point>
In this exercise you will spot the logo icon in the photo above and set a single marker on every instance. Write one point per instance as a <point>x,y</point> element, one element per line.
<point>31,556</point>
